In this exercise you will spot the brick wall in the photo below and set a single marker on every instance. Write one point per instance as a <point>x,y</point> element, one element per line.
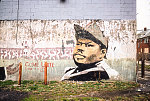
<point>71,9</point>
<point>142,46</point>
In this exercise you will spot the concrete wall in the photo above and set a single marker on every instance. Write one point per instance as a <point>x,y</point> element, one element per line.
<point>35,31</point>
<point>71,9</point>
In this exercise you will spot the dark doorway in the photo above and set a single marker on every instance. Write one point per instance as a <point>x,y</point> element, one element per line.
<point>2,73</point>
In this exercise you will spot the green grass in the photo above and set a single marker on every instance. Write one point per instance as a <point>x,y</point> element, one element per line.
<point>7,83</point>
<point>80,99</point>
<point>33,98</point>
<point>67,91</point>
<point>147,67</point>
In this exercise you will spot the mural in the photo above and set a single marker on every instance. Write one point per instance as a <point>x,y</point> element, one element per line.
<point>37,54</point>
<point>88,55</point>
<point>12,70</point>
<point>84,49</point>
<point>37,66</point>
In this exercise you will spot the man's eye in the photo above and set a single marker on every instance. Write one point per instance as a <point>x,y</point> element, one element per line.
<point>78,44</point>
<point>90,45</point>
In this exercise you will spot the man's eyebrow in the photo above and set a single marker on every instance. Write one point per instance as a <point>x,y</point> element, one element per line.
<point>84,43</point>
<point>88,42</point>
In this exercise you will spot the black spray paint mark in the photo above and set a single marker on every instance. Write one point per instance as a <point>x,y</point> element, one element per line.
<point>63,47</point>
<point>70,42</point>
<point>114,48</point>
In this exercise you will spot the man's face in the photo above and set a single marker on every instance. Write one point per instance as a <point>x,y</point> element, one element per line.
<point>87,51</point>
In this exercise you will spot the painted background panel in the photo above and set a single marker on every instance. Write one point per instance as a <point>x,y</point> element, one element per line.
<point>33,42</point>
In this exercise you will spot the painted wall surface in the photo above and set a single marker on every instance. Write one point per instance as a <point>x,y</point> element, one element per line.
<point>70,9</point>
<point>33,42</point>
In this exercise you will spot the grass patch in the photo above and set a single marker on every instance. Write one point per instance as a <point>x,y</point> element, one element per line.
<point>81,99</point>
<point>7,83</point>
<point>64,91</point>
<point>33,98</point>
<point>147,67</point>
<point>53,82</point>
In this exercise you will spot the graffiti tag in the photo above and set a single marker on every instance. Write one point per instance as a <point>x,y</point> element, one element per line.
<point>38,53</point>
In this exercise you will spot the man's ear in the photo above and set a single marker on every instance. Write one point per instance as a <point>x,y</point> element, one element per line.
<point>103,53</point>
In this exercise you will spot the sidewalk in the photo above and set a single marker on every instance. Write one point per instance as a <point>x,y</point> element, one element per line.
<point>144,82</point>
<point>146,62</point>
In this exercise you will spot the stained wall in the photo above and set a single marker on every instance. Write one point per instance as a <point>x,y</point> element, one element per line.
<point>35,31</point>
<point>35,41</point>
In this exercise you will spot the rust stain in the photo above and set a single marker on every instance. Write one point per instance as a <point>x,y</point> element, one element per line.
<point>55,26</point>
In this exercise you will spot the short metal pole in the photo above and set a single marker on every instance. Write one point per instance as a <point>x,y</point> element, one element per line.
<point>45,73</point>
<point>20,73</point>
<point>143,69</point>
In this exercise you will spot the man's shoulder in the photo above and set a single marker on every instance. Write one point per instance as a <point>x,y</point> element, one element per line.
<point>67,69</point>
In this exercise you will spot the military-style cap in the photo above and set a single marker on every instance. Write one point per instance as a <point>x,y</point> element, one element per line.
<point>91,32</point>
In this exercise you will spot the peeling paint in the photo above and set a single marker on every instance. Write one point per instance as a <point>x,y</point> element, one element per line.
<point>54,41</point>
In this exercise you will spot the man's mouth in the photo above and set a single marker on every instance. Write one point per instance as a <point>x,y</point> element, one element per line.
<point>79,56</point>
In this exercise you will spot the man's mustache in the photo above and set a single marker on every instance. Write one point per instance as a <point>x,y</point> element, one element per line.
<point>79,54</point>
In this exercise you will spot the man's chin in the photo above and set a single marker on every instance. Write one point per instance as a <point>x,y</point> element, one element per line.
<point>84,62</point>
<point>79,61</point>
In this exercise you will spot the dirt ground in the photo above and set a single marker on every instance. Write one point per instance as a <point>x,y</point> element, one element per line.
<point>8,95</point>
<point>113,94</point>
<point>144,89</point>
<point>12,95</point>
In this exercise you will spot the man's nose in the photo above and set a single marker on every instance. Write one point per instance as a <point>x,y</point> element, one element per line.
<point>80,50</point>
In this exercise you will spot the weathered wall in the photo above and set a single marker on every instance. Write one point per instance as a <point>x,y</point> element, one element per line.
<point>71,9</point>
<point>35,41</point>
<point>35,31</point>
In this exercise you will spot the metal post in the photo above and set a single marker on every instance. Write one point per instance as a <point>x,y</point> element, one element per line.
<point>45,74</point>
<point>143,68</point>
<point>20,73</point>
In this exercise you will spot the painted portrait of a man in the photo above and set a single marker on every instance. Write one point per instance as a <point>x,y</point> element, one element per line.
<point>89,54</point>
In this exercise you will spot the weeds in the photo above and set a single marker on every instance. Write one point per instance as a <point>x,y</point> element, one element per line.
<point>147,67</point>
<point>62,91</point>
<point>81,99</point>
<point>7,83</point>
